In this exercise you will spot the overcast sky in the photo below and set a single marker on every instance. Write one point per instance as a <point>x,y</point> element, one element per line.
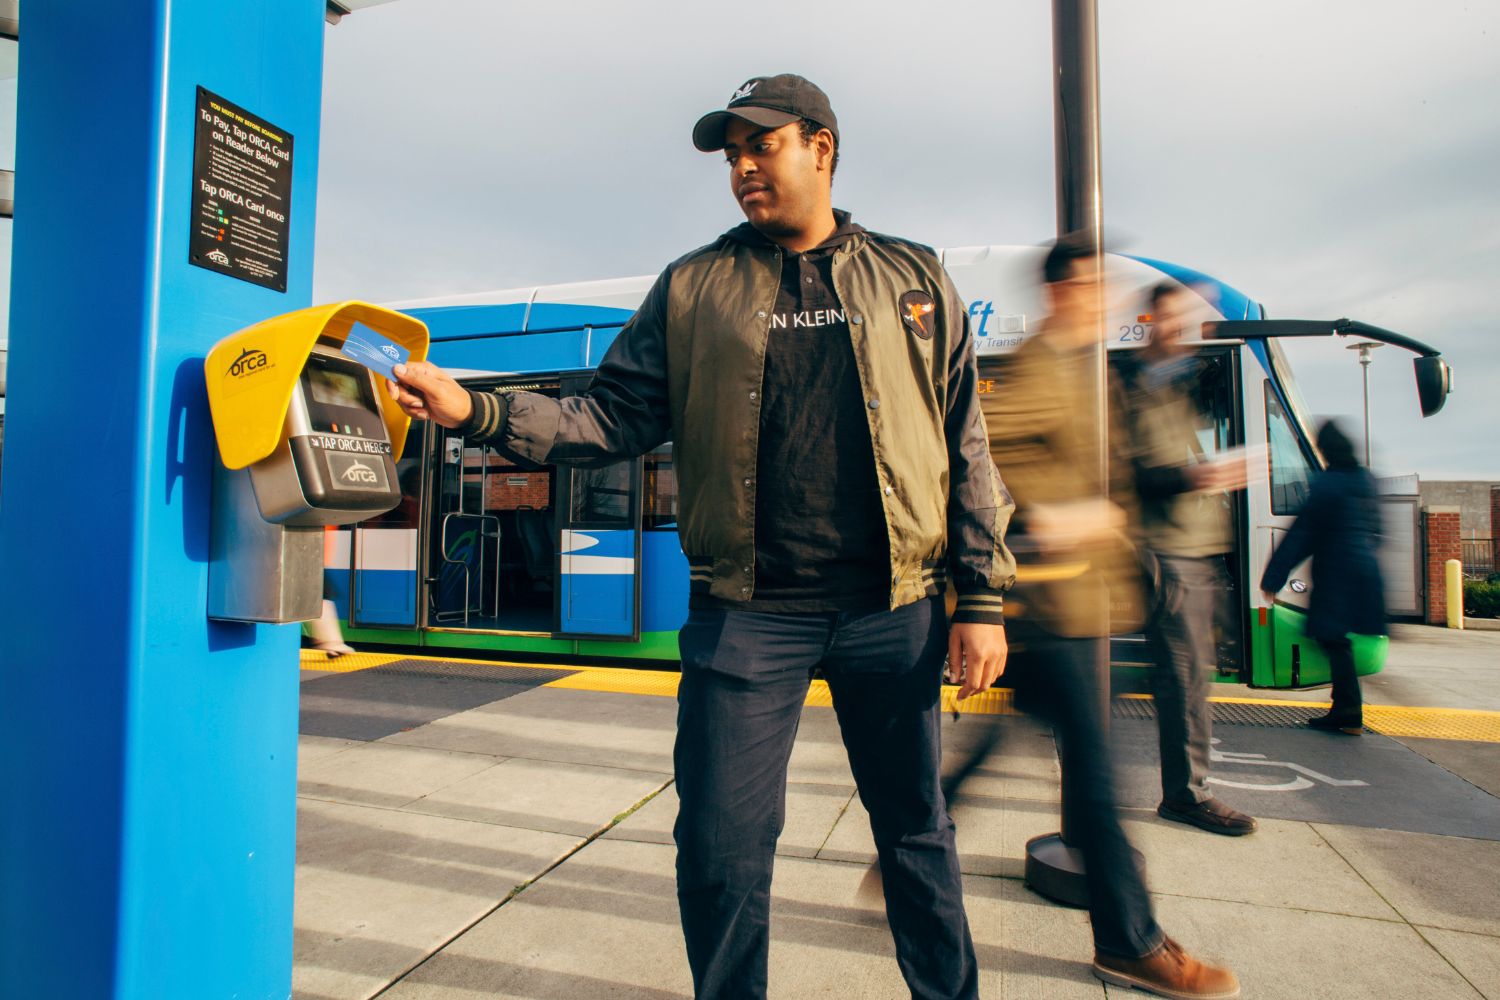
<point>1336,158</point>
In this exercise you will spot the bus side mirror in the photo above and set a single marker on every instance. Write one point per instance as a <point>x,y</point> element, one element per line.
<point>1434,382</point>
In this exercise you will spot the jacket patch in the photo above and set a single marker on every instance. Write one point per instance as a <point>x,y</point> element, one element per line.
<point>918,312</point>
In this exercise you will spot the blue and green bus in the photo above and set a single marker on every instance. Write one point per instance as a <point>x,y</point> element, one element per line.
<point>545,562</point>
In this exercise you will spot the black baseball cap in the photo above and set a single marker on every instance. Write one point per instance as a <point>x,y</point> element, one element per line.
<point>770,102</point>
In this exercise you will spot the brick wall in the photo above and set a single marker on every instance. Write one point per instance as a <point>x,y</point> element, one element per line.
<point>1495,527</point>
<point>660,501</point>
<point>1444,542</point>
<point>513,489</point>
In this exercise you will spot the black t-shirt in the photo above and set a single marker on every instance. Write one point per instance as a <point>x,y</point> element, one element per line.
<point>820,534</point>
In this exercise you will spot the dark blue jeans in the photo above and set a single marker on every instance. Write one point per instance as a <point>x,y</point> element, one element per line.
<point>1057,678</point>
<point>744,678</point>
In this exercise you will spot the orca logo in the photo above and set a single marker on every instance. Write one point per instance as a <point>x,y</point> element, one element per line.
<point>390,351</point>
<point>745,91</point>
<point>218,257</point>
<point>359,472</point>
<point>249,362</point>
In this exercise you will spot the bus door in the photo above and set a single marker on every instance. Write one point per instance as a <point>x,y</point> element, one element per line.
<point>1223,427</point>
<point>466,546</point>
<point>516,547</point>
<point>598,538</point>
<point>1285,656</point>
<point>1215,396</point>
<point>488,557</point>
<point>1290,660</point>
<point>383,551</point>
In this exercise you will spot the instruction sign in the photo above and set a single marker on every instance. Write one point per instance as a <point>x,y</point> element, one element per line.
<point>242,194</point>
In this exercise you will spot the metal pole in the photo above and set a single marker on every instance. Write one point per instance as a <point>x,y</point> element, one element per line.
<point>1079,170</point>
<point>1364,365</point>
<point>1075,121</point>
<point>1080,201</point>
<point>1364,348</point>
<point>1053,868</point>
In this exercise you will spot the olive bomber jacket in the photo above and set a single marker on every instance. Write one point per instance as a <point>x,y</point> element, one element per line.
<point>688,368</point>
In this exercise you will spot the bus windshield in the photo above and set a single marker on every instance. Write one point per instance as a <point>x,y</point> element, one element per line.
<point>1282,369</point>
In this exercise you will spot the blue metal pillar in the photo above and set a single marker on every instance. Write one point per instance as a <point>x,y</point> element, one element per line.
<point>148,755</point>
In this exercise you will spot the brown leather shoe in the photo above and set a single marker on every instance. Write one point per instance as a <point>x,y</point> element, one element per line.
<point>1211,815</point>
<point>1169,972</point>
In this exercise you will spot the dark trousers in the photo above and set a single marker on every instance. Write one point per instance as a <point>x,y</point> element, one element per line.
<point>1181,635</point>
<point>1347,700</point>
<point>744,678</point>
<point>1058,679</point>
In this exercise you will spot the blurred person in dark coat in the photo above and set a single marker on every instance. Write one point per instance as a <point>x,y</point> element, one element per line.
<point>1339,527</point>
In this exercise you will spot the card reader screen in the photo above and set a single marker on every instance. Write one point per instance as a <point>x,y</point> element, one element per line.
<point>340,398</point>
<point>333,387</point>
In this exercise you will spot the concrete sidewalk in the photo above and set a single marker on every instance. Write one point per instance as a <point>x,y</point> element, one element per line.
<point>1437,668</point>
<point>517,844</point>
<point>1429,666</point>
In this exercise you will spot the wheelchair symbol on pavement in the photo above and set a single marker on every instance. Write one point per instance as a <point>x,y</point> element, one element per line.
<point>1298,781</point>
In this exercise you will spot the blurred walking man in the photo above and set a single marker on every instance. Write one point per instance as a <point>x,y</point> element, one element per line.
<point>819,387</point>
<point>1185,526</point>
<point>1075,572</point>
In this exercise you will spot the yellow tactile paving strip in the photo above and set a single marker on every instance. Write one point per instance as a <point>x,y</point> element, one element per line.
<point>664,683</point>
<point>620,681</point>
<point>316,659</point>
<point>1389,720</point>
<point>1434,723</point>
<point>1402,720</point>
<point>996,702</point>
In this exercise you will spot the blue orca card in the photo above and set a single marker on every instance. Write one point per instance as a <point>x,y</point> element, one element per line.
<point>373,351</point>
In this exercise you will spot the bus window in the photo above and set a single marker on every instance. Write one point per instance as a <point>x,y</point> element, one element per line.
<point>1214,402</point>
<point>1291,472</point>
<point>659,503</point>
<point>601,497</point>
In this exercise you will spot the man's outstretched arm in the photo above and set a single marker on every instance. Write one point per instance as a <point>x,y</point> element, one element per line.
<point>624,411</point>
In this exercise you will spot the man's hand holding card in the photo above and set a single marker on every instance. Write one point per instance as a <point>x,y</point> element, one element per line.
<point>373,351</point>
<point>423,390</point>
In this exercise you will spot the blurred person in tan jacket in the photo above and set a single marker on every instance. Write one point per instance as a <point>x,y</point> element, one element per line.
<point>1076,573</point>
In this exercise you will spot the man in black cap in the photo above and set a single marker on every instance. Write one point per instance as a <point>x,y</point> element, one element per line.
<point>819,387</point>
